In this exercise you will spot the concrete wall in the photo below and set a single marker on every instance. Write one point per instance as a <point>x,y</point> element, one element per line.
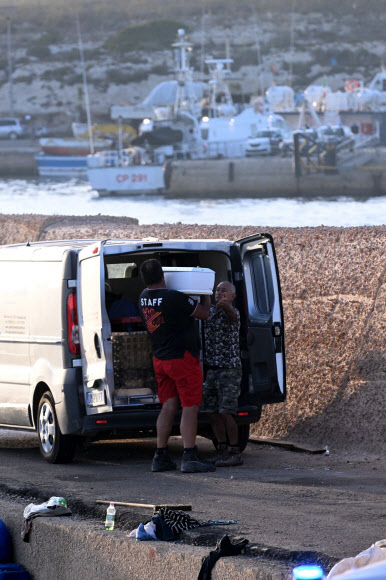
<point>64,548</point>
<point>18,157</point>
<point>334,293</point>
<point>272,176</point>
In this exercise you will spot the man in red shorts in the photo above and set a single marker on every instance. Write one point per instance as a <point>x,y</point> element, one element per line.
<point>170,316</point>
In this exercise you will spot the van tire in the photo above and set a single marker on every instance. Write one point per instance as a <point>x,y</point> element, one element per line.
<point>243,437</point>
<point>12,135</point>
<point>54,446</point>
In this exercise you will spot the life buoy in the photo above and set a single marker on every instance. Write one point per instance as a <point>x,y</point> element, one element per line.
<point>352,85</point>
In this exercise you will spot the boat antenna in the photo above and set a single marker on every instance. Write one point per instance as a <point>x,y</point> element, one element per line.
<point>259,60</point>
<point>202,60</point>
<point>291,56</point>
<point>228,51</point>
<point>10,72</point>
<point>85,88</point>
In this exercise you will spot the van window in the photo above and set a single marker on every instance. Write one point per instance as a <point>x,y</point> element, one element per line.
<point>262,283</point>
<point>122,270</point>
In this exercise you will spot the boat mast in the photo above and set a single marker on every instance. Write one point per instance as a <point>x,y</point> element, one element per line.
<point>291,55</point>
<point>260,81</point>
<point>184,75</point>
<point>202,60</point>
<point>85,88</point>
<point>219,69</point>
<point>10,71</point>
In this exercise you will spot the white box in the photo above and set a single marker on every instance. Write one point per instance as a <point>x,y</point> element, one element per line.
<point>193,281</point>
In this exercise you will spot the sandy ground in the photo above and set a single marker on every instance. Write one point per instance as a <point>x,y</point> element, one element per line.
<point>334,295</point>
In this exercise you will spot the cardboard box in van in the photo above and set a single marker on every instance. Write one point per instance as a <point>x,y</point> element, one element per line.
<point>75,359</point>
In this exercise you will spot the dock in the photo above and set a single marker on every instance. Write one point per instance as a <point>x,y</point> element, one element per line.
<point>17,157</point>
<point>358,173</point>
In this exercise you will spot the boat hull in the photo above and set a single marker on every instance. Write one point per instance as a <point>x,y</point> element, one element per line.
<point>61,166</point>
<point>130,180</point>
<point>71,147</point>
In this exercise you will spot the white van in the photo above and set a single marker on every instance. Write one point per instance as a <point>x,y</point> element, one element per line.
<point>11,128</point>
<point>68,371</point>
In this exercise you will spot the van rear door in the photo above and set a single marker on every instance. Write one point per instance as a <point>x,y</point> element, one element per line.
<point>94,331</point>
<point>265,328</point>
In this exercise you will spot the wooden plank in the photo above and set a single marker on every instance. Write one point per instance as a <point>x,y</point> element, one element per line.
<point>290,445</point>
<point>154,507</point>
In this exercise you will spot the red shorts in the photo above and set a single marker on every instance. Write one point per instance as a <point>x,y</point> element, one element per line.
<point>179,377</point>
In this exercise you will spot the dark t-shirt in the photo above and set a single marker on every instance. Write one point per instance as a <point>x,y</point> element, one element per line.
<point>167,315</point>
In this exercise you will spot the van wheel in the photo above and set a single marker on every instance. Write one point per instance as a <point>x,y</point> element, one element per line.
<point>243,437</point>
<point>12,135</point>
<point>55,447</point>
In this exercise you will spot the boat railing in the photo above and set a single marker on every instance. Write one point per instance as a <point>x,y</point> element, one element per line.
<point>113,158</point>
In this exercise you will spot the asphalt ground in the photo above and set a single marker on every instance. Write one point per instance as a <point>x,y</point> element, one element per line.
<point>292,507</point>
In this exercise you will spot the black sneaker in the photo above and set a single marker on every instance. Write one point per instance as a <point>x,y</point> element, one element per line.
<point>231,458</point>
<point>163,462</point>
<point>191,463</point>
<point>221,453</point>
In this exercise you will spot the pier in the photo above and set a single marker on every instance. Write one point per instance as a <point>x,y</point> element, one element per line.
<point>17,158</point>
<point>357,173</point>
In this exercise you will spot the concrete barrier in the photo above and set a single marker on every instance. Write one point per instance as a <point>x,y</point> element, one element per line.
<point>273,176</point>
<point>69,548</point>
<point>17,158</point>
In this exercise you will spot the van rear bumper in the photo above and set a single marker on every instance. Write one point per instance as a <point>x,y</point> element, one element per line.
<point>133,420</point>
<point>145,420</point>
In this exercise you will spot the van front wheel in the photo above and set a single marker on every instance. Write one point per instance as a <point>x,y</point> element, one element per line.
<point>54,446</point>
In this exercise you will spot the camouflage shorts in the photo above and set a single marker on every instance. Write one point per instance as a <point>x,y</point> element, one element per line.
<point>221,391</point>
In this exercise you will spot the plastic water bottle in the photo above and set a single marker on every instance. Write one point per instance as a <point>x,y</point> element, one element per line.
<point>308,573</point>
<point>110,517</point>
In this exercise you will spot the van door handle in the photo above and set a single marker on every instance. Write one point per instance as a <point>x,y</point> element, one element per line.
<point>97,345</point>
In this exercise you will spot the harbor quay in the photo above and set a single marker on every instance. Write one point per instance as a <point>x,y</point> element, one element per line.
<point>359,173</point>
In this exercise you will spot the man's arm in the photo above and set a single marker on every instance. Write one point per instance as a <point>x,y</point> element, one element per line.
<point>202,310</point>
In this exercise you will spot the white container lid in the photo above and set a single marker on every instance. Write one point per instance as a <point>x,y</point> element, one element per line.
<point>185,269</point>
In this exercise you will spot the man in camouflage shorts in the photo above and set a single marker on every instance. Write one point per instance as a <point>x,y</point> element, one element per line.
<point>222,383</point>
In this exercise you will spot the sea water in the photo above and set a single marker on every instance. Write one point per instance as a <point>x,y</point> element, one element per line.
<point>27,196</point>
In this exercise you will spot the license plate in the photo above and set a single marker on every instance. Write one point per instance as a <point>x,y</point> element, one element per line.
<point>95,398</point>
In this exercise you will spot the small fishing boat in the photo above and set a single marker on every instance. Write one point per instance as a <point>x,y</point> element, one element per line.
<point>71,146</point>
<point>61,165</point>
<point>61,157</point>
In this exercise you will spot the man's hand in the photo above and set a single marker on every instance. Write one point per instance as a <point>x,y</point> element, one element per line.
<point>203,308</point>
<point>228,309</point>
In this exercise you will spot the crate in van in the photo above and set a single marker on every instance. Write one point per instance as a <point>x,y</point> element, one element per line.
<point>65,371</point>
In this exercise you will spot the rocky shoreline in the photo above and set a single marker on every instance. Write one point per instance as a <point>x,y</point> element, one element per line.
<point>334,299</point>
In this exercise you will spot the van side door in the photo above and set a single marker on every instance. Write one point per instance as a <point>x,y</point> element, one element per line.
<point>15,363</point>
<point>94,331</point>
<point>264,319</point>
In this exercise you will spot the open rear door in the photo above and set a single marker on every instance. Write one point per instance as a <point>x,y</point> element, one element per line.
<point>265,327</point>
<point>94,331</point>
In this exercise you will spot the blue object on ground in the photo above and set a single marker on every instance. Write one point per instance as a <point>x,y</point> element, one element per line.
<point>142,534</point>
<point>5,543</point>
<point>13,572</point>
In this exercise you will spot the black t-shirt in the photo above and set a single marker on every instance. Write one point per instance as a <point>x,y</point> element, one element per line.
<point>167,315</point>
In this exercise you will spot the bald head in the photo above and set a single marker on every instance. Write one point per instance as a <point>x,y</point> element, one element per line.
<point>225,291</point>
